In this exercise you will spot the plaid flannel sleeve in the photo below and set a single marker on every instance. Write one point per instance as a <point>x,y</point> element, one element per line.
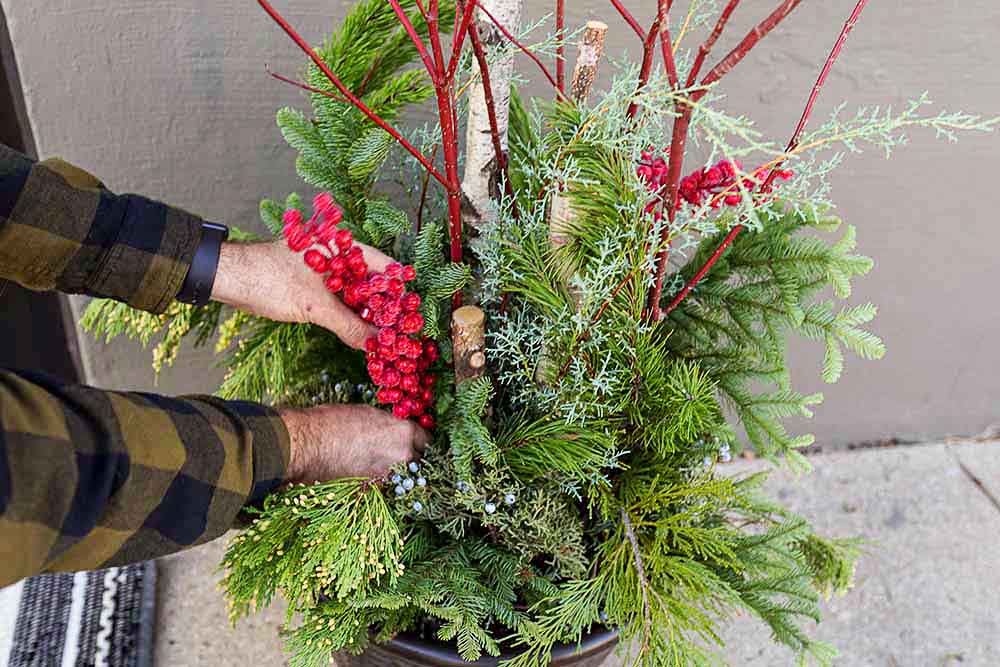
<point>61,229</point>
<point>92,478</point>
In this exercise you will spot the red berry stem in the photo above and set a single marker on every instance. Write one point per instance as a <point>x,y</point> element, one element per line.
<point>399,359</point>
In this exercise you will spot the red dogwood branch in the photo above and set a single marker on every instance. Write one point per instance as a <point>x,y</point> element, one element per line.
<point>759,32</point>
<point>820,81</point>
<point>306,87</point>
<point>675,163</point>
<point>706,46</point>
<point>666,46</point>
<point>561,45</point>
<point>627,15</point>
<point>459,40</point>
<point>648,45</point>
<point>513,40</point>
<point>491,112</point>
<point>726,242</point>
<point>683,121</point>
<point>433,31</point>
<point>304,45</point>
<point>792,143</point>
<point>404,19</point>
<point>420,6</point>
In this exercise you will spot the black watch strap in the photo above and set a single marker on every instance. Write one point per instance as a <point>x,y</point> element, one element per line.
<point>197,287</point>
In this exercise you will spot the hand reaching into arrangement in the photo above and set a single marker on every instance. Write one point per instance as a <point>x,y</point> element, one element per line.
<point>267,280</point>
<point>335,441</point>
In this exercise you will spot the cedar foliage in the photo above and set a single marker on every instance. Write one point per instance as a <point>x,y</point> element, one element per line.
<point>576,486</point>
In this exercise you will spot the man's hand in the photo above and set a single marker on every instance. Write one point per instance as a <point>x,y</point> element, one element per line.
<point>335,441</point>
<point>269,280</point>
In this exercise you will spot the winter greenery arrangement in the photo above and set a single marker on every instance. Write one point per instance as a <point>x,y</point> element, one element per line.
<point>609,328</point>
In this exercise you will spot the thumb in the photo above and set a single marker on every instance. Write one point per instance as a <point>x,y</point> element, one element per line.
<point>345,324</point>
<point>420,438</point>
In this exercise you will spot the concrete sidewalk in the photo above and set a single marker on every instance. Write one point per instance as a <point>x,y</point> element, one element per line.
<point>927,592</point>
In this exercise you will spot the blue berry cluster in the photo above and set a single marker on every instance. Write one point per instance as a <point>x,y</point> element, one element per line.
<point>341,392</point>
<point>489,506</point>
<point>716,450</point>
<point>406,484</point>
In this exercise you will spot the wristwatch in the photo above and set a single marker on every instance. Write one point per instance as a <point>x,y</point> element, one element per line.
<point>197,287</point>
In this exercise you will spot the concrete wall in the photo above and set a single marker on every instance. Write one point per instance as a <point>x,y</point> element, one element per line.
<point>170,99</point>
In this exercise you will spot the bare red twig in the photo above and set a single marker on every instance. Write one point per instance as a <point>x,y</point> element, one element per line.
<point>423,194</point>
<point>561,45</point>
<point>305,86</point>
<point>675,164</point>
<point>792,143</point>
<point>304,45</point>
<point>683,122</point>
<point>368,76</point>
<point>459,40</point>
<point>666,47</point>
<point>820,81</point>
<point>420,6</point>
<point>726,242</point>
<point>627,15</point>
<point>442,77</point>
<point>713,37</point>
<point>437,51</point>
<point>759,32</point>
<point>404,19</point>
<point>648,45</point>
<point>513,40</point>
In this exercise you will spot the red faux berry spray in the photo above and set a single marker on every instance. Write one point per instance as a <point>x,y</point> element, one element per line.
<point>399,359</point>
<point>717,184</point>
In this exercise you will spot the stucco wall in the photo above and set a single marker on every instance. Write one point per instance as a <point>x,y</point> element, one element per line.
<point>170,99</point>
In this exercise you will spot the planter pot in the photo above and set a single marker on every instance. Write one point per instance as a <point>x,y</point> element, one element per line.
<point>411,651</point>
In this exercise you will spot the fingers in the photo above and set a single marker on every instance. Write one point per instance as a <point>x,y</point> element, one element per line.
<point>340,319</point>
<point>345,323</point>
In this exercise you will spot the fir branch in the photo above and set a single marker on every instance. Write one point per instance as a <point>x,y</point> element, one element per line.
<point>361,106</point>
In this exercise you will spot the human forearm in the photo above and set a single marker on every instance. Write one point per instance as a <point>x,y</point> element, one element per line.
<point>60,229</point>
<point>97,478</point>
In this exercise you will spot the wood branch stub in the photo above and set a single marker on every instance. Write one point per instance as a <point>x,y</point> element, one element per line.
<point>468,337</point>
<point>591,50</point>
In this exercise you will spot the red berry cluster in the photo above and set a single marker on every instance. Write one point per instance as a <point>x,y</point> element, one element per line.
<point>398,359</point>
<point>716,183</point>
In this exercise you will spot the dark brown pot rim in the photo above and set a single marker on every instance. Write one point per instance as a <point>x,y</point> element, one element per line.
<point>439,654</point>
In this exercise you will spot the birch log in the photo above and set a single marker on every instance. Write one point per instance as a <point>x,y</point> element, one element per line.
<point>560,212</point>
<point>480,184</point>
<point>587,62</point>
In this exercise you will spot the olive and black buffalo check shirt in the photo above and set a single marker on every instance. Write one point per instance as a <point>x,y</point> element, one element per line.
<point>92,478</point>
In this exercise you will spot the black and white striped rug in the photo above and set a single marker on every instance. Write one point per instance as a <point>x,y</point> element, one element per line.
<point>88,619</point>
